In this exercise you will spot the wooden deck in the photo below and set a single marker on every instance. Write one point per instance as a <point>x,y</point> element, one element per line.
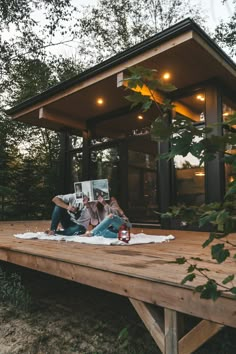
<point>143,273</point>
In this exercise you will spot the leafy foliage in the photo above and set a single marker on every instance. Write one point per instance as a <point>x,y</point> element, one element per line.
<point>29,156</point>
<point>225,32</point>
<point>118,25</point>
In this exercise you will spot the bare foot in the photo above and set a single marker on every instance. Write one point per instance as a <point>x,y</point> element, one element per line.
<point>50,232</point>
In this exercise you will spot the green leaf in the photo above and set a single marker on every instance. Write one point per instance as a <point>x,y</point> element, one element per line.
<point>233,290</point>
<point>188,277</point>
<point>228,279</point>
<point>181,260</point>
<point>209,240</point>
<point>210,291</point>
<point>124,333</point>
<point>146,105</point>
<point>191,268</point>
<point>199,288</point>
<point>219,253</point>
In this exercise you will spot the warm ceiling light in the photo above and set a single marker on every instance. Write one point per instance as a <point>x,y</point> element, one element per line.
<point>140,117</point>
<point>100,101</point>
<point>166,76</point>
<point>198,174</point>
<point>200,98</point>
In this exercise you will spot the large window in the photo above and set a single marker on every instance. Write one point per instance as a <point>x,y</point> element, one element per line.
<point>77,166</point>
<point>142,179</point>
<point>104,163</point>
<point>228,109</point>
<point>190,177</point>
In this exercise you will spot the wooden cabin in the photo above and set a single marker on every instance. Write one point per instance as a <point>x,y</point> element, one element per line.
<point>103,138</point>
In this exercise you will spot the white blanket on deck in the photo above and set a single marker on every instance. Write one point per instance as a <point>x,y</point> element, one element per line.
<point>98,240</point>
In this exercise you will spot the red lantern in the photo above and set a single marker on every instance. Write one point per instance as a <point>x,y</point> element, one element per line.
<point>124,233</point>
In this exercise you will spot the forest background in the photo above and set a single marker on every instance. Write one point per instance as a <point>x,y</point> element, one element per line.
<point>34,58</point>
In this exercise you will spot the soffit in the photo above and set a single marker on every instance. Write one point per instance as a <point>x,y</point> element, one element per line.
<point>190,62</point>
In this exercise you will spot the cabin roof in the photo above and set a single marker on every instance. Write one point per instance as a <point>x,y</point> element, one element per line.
<point>183,49</point>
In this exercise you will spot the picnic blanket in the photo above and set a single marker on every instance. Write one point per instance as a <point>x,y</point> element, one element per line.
<point>136,239</point>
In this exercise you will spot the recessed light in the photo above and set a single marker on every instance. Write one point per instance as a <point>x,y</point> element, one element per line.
<point>199,174</point>
<point>166,76</point>
<point>200,97</point>
<point>140,117</point>
<point>100,101</point>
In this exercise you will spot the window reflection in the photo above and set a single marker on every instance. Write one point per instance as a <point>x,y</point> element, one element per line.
<point>190,177</point>
<point>192,107</point>
<point>142,179</point>
<point>104,164</point>
<point>76,167</point>
<point>229,109</point>
<point>76,141</point>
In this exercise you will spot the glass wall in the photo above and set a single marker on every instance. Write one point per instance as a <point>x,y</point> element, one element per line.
<point>142,178</point>
<point>104,163</point>
<point>189,176</point>
<point>76,167</point>
<point>228,109</point>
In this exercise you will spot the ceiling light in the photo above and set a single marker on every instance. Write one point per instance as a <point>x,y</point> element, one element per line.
<point>200,97</point>
<point>166,76</point>
<point>100,101</point>
<point>140,117</point>
<point>199,174</point>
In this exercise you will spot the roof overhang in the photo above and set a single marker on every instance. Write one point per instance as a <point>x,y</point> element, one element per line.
<point>184,50</point>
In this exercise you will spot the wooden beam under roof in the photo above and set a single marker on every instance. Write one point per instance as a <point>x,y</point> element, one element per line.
<point>60,119</point>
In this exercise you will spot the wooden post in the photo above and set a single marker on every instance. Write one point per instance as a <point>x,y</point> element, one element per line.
<point>171,332</point>
<point>215,183</point>
<point>86,155</point>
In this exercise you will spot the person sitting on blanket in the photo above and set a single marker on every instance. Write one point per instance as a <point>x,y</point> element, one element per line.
<point>74,218</point>
<point>100,209</point>
<point>109,226</point>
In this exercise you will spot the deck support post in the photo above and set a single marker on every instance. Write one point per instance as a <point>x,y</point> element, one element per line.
<point>166,328</point>
<point>171,332</point>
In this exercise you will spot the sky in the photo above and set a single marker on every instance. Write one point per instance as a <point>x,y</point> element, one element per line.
<point>215,10</point>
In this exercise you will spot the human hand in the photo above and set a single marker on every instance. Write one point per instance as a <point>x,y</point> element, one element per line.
<point>72,209</point>
<point>85,200</point>
<point>101,200</point>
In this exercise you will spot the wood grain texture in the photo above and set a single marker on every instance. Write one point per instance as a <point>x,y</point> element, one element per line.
<point>142,272</point>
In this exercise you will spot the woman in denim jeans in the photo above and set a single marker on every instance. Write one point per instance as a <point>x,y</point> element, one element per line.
<point>110,225</point>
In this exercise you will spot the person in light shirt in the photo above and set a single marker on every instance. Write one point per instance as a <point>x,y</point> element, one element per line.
<point>74,218</point>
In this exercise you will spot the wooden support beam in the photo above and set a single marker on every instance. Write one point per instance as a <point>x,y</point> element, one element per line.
<point>198,336</point>
<point>152,319</point>
<point>60,119</point>
<point>171,332</point>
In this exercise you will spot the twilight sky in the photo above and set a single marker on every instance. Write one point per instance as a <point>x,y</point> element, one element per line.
<point>213,8</point>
